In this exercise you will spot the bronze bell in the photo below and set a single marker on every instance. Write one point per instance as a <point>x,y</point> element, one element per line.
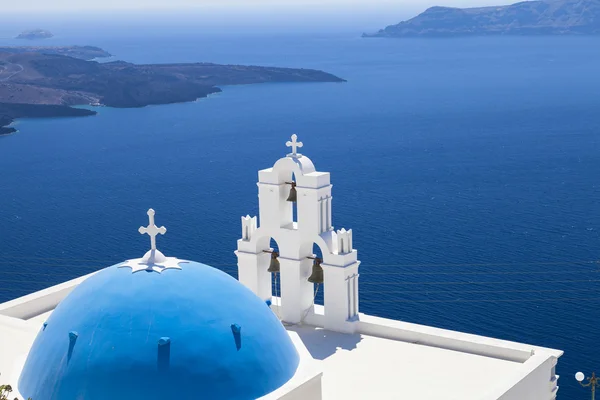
<point>293,195</point>
<point>274,265</point>
<point>317,272</point>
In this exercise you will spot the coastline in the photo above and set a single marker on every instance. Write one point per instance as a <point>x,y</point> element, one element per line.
<point>7,126</point>
<point>11,112</point>
<point>83,110</point>
<point>8,130</point>
<point>37,111</point>
<point>14,127</point>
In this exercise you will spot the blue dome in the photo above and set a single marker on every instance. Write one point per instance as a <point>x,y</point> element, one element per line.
<point>190,333</point>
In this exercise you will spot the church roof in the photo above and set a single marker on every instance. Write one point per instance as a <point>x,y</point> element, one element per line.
<point>183,332</point>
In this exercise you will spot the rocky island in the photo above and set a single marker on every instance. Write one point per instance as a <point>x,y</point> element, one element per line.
<point>35,34</point>
<point>45,83</point>
<point>541,17</point>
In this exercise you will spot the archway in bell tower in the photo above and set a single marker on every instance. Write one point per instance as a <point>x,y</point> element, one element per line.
<point>294,203</point>
<point>275,271</point>
<point>317,274</point>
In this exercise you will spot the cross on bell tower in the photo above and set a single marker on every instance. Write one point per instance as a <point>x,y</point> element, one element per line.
<point>294,144</point>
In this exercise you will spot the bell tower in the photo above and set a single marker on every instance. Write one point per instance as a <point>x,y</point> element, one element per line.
<point>293,182</point>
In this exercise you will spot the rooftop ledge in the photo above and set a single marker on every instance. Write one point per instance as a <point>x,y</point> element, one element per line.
<point>436,337</point>
<point>388,359</point>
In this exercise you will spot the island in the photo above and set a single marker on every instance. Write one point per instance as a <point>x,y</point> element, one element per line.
<point>46,83</point>
<point>35,34</point>
<point>542,17</point>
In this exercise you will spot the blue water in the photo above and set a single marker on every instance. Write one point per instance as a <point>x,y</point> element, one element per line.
<point>467,169</point>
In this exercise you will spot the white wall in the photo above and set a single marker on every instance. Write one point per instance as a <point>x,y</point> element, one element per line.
<point>534,381</point>
<point>310,390</point>
<point>37,303</point>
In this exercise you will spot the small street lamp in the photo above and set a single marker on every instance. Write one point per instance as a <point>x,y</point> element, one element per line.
<point>592,382</point>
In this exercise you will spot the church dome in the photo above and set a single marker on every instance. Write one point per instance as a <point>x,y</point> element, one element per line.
<point>167,330</point>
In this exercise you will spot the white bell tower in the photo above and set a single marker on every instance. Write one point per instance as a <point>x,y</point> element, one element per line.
<point>295,237</point>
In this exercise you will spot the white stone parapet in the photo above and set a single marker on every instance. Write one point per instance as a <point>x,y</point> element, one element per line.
<point>344,241</point>
<point>249,225</point>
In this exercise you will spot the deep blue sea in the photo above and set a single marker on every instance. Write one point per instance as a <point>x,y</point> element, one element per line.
<point>468,170</point>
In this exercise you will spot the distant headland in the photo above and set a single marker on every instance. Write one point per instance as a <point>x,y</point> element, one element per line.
<point>542,17</point>
<point>35,34</point>
<point>81,52</point>
<point>45,82</point>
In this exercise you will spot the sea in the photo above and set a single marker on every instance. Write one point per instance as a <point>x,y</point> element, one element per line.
<point>468,170</point>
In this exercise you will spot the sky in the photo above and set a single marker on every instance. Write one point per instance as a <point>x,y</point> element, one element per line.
<point>106,5</point>
<point>228,15</point>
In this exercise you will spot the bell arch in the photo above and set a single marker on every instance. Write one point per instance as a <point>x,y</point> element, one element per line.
<point>274,267</point>
<point>317,242</point>
<point>299,166</point>
<point>295,292</point>
<point>317,276</point>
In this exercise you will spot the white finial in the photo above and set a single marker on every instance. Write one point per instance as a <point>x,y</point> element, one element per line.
<point>153,260</point>
<point>294,144</point>
<point>152,230</point>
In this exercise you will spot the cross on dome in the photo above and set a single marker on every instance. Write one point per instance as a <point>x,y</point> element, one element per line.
<point>153,260</point>
<point>152,230</point>
<point>294,144</point>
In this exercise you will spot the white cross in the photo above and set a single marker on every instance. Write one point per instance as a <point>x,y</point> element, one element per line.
<point>152,230</point>
<point>294,144</point>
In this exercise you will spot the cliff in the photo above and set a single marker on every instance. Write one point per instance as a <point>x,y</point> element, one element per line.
<point>49,78</point>
<point>545,17</point>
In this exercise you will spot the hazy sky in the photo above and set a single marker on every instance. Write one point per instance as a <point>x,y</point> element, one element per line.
<point>227,15</point>
<point>347,5</point>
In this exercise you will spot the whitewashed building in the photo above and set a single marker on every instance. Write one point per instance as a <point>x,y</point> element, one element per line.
<point>159,327</point>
